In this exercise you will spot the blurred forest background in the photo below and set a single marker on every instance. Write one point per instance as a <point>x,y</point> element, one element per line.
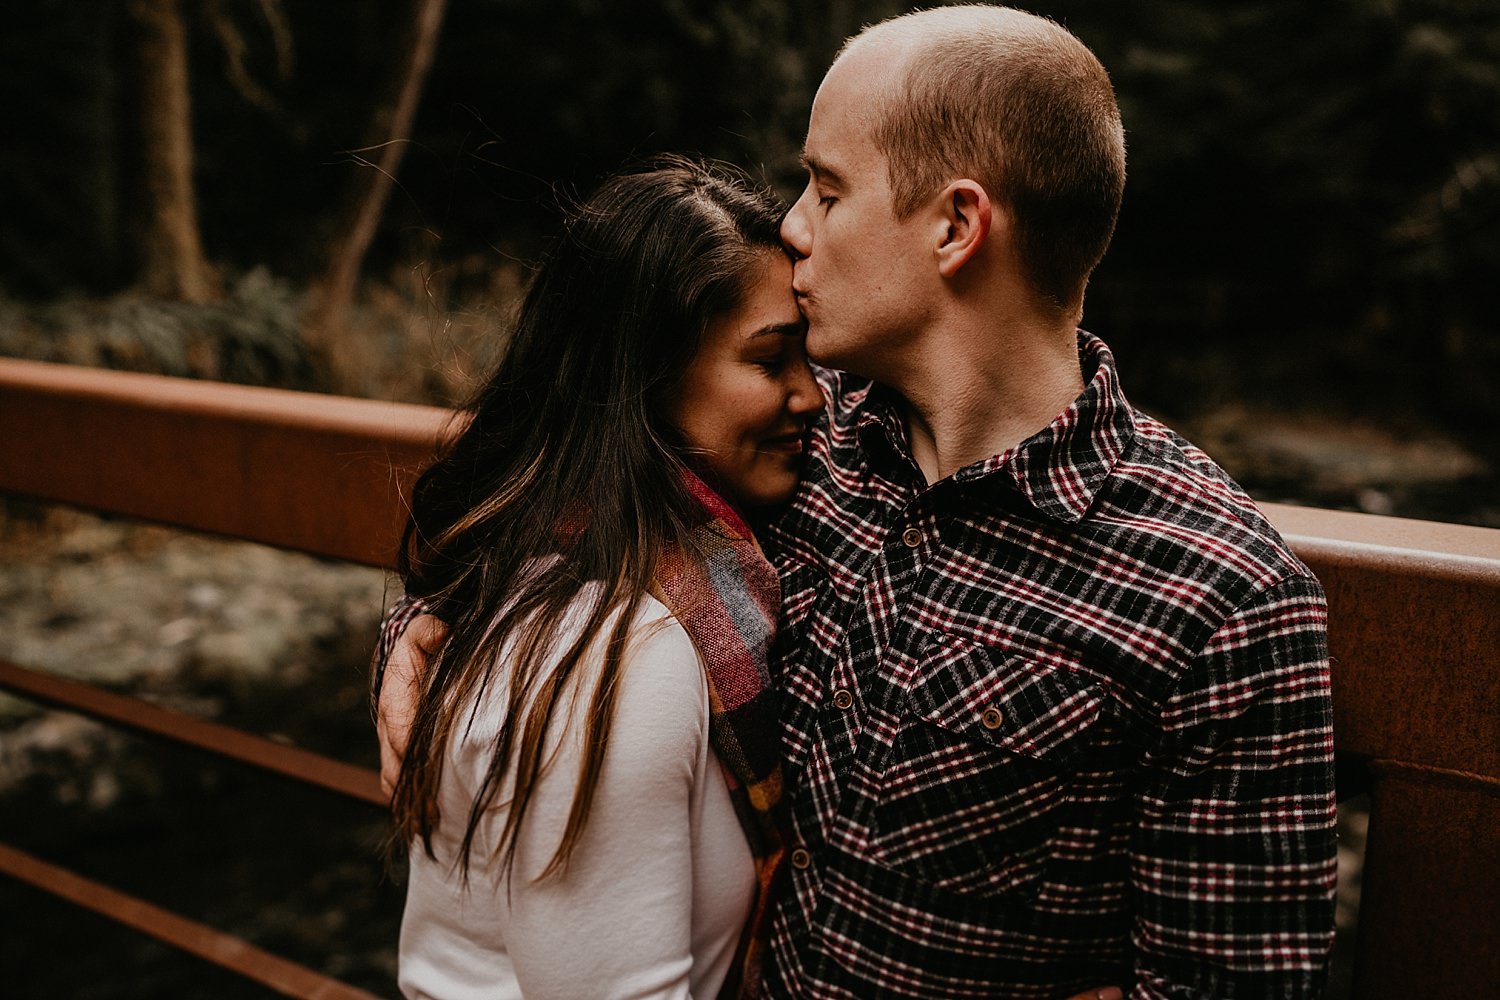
<point>342,198</point>
<point>1304,274</point>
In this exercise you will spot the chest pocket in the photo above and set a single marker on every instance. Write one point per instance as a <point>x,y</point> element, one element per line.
<point>981,765</point>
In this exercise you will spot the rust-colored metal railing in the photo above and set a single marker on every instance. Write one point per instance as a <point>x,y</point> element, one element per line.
<point>296,470</point>
<point>317,474</point>
<point>1414,631</point>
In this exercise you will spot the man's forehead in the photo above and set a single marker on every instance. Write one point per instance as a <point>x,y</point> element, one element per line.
<point>856,87</point>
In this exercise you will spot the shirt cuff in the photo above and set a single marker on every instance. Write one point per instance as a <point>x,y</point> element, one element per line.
<point>392,627</point>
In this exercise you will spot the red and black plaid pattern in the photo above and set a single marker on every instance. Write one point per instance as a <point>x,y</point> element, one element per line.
<point>1060,720</point>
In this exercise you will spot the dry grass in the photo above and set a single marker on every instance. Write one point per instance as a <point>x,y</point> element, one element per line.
<point>422,334</point>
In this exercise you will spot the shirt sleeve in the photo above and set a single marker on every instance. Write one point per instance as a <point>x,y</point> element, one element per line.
<point>620,914</point>
<point>1234,856</point>
<point>392,627</point>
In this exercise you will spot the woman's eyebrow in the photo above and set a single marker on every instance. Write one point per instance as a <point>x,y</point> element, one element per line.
<point>782,329</point>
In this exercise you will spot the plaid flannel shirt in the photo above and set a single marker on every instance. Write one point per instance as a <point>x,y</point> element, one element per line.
<point>1059,720</point>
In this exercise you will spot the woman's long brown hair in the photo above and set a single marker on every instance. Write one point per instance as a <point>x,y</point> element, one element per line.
<point>552,505</point>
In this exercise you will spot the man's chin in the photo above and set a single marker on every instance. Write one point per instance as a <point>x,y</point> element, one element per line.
<point>825,347</point>
<point>841,358</point>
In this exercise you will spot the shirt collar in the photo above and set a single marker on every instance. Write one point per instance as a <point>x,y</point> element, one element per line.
<point>1058,470</point>
<point>880,422</point>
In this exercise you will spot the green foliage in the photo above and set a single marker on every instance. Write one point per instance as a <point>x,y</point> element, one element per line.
<point>250,337</point>
<point>1314,199</point>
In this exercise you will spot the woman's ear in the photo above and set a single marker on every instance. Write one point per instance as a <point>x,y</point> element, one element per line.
<point>967,217</point>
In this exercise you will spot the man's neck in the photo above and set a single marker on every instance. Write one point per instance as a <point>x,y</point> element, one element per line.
<point>981,395</point>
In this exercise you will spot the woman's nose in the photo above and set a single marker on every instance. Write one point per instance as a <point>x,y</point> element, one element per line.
<point>806,398</point>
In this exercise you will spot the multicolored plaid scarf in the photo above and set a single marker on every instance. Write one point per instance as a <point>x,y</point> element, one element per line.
<point>728,604</point>
<point>727,599</point>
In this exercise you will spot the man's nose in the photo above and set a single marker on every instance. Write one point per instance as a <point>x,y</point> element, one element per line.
<point>794,229</point>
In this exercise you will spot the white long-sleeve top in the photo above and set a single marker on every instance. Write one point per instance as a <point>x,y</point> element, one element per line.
<point>656,892</point>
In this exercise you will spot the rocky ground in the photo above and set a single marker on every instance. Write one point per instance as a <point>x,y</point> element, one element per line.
<point>272,642</point>
<point>1322,460</point>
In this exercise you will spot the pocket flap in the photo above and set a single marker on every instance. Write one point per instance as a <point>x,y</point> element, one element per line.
<point>1018,705</point>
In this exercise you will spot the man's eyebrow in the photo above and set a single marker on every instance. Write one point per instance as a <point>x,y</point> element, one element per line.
<point>818,168</point>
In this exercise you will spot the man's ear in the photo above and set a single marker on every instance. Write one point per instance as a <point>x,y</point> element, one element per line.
<point>967,214</point>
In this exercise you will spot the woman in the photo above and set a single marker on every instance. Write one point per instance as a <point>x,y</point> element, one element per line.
<point>591,786</point>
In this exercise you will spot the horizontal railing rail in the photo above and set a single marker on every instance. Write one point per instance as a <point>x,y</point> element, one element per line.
<point>1414,619</point>
<point>357,783</point>
<point>224,950</point>
<point>313,473</point>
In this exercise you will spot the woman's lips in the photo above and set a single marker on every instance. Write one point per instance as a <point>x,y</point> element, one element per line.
<point>792,443</point>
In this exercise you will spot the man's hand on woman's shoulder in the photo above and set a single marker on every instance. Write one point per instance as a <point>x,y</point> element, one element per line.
<point>396,705</point>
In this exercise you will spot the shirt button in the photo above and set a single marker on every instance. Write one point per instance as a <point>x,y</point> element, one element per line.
<point>800,858</point>
<point>912,537</point>
<point>842,699</point>
<point>991,718</point>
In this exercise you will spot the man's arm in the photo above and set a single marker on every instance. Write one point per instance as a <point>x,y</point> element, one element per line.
<point>1234,852</point>
<point>409,636</point>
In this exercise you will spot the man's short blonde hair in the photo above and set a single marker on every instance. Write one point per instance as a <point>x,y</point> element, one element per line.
<point>1017,103</point>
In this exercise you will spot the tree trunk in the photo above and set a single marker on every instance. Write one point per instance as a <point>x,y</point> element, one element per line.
<point>390,133</point>
<point>172,253</point>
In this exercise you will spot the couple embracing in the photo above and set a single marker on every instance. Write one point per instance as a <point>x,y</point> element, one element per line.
<point>935,670</point>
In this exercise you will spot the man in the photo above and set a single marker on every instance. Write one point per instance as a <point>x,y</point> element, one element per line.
<point>1055,694</point>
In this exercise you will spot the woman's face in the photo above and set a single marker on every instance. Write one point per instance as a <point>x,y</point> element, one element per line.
<point>747,397</point>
